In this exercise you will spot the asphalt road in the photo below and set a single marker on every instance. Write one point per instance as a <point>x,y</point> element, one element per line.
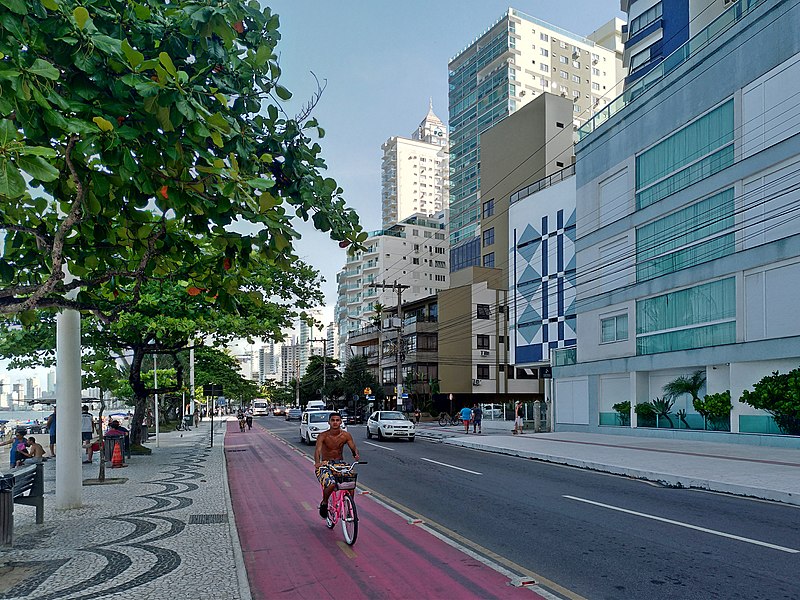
<point>570,525</point>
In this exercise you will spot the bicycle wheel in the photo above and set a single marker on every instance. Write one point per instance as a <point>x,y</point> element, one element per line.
<point>349,520</point>
<point>331,520</point>
<point>444,420</point>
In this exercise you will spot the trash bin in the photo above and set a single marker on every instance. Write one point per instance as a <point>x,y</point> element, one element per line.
<point>188,421</point>
<point>110,440</point>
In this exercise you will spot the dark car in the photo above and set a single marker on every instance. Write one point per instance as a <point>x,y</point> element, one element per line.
<point>294,414</point>
<point>351,418</point>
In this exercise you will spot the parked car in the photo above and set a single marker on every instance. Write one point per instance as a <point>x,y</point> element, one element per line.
<point>314,422</point>
<point>492,411</point>
<point>390,424</point>
<point>294,414</point>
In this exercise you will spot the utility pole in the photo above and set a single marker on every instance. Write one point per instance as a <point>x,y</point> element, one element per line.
<point>324,358</point>
<point>399,288</point>
<point>297,376</point>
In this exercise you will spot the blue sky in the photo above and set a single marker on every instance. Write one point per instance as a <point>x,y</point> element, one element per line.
<point>382,61</point>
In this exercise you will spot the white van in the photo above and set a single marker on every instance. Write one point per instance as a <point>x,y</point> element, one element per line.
<point>315,405</point>
<point>260,407</point>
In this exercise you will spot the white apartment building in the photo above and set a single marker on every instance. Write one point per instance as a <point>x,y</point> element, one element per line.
<point>413,253</point>
<point>415,173</point>
<point>290,357</point>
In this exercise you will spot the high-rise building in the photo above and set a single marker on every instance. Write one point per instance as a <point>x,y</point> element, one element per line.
<point>412,253</point>
<point>5,392</point>
<point>415,172</point>
<point>267,362</point>
<point>517,59</point>
<point>290,362</point>
<point>687,241</point>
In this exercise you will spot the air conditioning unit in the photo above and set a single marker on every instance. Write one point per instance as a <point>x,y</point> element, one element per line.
<point>476,382</point>
<point>484,353</point>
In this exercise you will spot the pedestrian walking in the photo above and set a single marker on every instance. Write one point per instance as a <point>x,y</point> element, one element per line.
<point>87,430</point>
<point>519,414</point>
<point>417,415</point>
<point>51,429</point>
<point>466,416</point>
<point>477,417</point>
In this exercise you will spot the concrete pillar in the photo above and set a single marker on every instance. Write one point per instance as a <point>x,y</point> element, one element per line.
<point>537,416</point>
<point>69,477</point>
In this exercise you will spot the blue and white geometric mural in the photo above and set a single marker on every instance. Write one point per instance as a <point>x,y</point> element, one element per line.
<point>543,282</point>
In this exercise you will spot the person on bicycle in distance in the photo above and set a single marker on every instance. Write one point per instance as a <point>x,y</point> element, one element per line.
<point>327,452</point>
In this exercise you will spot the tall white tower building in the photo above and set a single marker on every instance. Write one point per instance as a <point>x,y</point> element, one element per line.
<point>415,172</point>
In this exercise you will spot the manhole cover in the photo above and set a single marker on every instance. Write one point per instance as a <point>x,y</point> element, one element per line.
<point>208,519</point>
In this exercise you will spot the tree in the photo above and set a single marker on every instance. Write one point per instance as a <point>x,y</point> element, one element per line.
<point>277,393</point>
<point>166,320</point>
<point>313,385</point>
<point>357,377</point>
<point>684,384</point>
<point>715,409</point>
<point>215,366</point>
<point>779,395</point>
<point>132,136</point>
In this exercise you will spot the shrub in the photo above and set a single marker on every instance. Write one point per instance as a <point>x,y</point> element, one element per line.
<point>661,407</point>
<point>779,395</point>
<point>715,410</point>
<point>645,414</point>
<point>623,412</point>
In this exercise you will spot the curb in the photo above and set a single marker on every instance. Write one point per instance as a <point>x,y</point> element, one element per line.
<point>668,479</point>
<point>238,558</point>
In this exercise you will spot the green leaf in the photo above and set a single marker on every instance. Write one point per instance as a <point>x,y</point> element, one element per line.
<point>142,12</point>
<point>38,151</point>
<point>38,168</point>
<point>107,44</point>
<point>135,58</point>
<point>8,132</point>
<point>165,60</point>
<point>42,68</point>
<point>50,5</point>
<point>12,184</point>
<point>217,139</point>
<point>17,6</point>
<point>103,124</point>
<point>81,15</point>
<point>282,92</point>
<point>260,183</point>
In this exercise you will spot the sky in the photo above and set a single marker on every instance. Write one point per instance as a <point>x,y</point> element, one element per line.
<point>382,61</point>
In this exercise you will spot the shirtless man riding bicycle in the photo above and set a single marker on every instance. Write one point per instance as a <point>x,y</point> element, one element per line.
<point>329,451</point>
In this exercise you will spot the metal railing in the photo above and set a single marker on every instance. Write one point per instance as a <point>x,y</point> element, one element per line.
<point>543,183</point>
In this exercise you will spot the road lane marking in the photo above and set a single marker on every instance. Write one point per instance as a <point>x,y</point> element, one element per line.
<point>305,505</point>
<point>480,553</point>
<point>287,484</point>
<point>379,446</point>
<point>687,525</point>
<point>436,462</point>
<point>348,551</point>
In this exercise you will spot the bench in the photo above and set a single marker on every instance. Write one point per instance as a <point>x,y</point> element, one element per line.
<point>25,485</point>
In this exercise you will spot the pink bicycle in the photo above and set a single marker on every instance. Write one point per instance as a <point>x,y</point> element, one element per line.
<point>342,504</point>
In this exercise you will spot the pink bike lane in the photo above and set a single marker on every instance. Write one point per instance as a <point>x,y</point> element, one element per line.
<point>290,553</point>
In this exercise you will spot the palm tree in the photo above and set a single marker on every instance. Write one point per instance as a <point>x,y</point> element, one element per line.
<point>691,385</point>
<point>378,308</point>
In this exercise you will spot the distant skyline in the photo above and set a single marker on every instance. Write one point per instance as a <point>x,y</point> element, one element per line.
<point>382,62</point>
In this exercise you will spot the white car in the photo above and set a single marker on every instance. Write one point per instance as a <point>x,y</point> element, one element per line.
<point>390,424</point>
<point>314,422</point>
<point>492,411</point>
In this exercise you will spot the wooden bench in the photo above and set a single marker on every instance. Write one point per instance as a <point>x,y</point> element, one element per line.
<point>24,485</point>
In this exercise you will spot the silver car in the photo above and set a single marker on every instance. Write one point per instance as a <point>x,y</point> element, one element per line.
<point>390,424</point>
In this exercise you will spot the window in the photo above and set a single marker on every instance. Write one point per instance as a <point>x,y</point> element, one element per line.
<point>488,208</point>
<point>564,59</point>
<point>439,250</point>
<point>614,329</point>
<point>596,71</point>
<point>415,261</point>
<point>640,59</point>
<point>595,86</point>
<point>428,234</point>
<point>544,51</point>
<point>696,317</point>
<point>488,237</point>
<point>440,264</point>
<point>695,152</point>
<point>545,83</point>
<point>644,19</point>
<point>440,278</point>
<point>544,37</point>
<point>576,64</point>
<point>576,79</point>
<point>483,312</point>
<point>562,44</point>
<point>564,74</point>
<point>544,67</point>
<point>483,342</point>
<point>482,372</point>
<point>488,260</point>
<point>687,237</point>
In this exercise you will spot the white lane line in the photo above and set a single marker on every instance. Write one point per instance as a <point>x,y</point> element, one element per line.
<point>688,526</point>
<point>379,446</point>
<point>436,462</point>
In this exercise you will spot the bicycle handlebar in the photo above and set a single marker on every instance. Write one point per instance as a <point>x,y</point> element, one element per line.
<point>346,468</point>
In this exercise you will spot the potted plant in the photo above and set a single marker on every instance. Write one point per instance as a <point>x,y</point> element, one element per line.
<point>623,412</point>
<point>645,414</point>
<point>715,410</point>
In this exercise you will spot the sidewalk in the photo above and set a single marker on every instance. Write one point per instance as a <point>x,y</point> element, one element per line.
<point>166,532</point>
<point>757,471</point>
